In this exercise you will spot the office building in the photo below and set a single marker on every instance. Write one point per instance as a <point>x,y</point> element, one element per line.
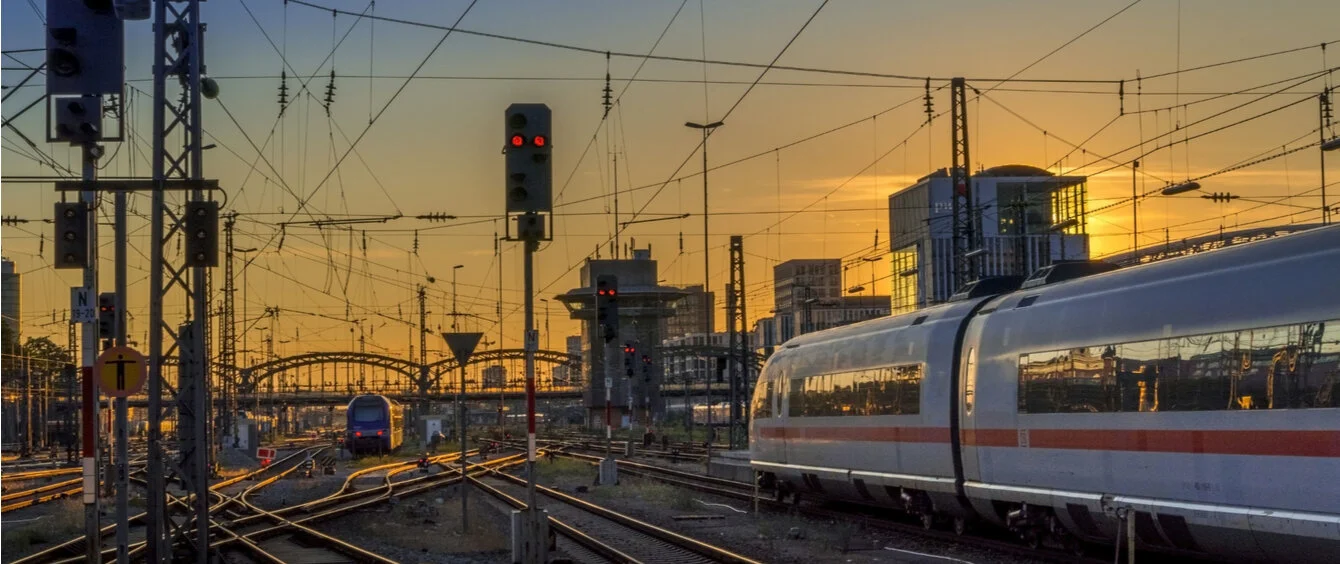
<point>1025,217</point>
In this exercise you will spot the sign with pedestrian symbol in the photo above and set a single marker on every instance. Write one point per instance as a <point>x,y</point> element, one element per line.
<point>120,371</point>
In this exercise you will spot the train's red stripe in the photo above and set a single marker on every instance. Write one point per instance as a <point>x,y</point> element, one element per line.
<point>866,434</point>
<point>990,437</point>
<point>1325,444</point>
<point>1246,442</point>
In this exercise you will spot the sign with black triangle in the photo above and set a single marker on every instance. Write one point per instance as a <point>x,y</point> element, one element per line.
<point>462,345</point>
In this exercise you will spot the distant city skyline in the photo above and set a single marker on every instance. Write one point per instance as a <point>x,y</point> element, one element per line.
<point>434,150</point>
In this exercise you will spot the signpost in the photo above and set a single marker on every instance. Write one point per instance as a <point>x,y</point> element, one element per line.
<point>120,372</point>
<point>462,345</point>
<point>82,309</point>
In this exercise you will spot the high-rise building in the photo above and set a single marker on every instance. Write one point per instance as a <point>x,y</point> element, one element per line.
<point>807,297</point>
<point>690,316</point>
<point>1026,218</point>
<point>692,368</point>
<point>564,375</point>
<point>10,295</point>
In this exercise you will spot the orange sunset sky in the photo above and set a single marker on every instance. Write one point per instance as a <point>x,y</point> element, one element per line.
<point>434,144</point>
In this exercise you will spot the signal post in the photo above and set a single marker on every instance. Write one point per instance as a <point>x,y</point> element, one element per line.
<point>528,186</point>
<point>607,319</point>
<point>85,62</point>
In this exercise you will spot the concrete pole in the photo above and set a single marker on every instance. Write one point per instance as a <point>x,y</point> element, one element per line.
<point>89,354</point>
<point>461,419</point>
<point>122,469</point>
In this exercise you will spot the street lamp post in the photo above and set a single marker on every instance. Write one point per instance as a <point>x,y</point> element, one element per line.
<point>546,323</point>
<point>232,416</point>
<point>707,264</point>
<point>872,261</point>
<point>453,295</point>
<point>1135,214</point>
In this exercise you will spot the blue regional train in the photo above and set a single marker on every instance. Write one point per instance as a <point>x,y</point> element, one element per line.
<point>375,424</point>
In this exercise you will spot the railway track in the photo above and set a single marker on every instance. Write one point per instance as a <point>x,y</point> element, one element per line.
<point>41,494</point>
<point>594,533</point>
<point>53,491</point>
<point>285,536</point>
<point>14,477</point>
<point>72,551</point>
<point>866,517</point>
<point>675,454</point>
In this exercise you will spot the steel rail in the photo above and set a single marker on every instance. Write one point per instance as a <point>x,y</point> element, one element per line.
<point>694,545</point>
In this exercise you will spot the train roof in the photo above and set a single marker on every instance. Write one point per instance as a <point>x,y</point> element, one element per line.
<point>1323,243</point>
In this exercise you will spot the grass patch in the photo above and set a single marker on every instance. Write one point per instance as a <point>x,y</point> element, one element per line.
<point>66,520</point>
<point>650,492</point>
<point>563,469</point>
<point>370,461</point>
<point>227,473</point>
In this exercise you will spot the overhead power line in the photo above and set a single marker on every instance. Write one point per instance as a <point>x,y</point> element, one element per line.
<point>742,64</point>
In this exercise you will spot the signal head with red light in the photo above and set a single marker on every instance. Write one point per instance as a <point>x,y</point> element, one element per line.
<point>528,177</point>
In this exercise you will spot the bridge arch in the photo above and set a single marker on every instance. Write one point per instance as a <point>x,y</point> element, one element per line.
<point>561,358</point>
<point>252,376</point>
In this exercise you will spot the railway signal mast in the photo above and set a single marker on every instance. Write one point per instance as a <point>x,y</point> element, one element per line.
<point>528,185</point>
<point>86,61</point>
<point>607,319</point>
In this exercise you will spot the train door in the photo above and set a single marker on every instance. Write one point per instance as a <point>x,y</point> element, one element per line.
<point>775,440</point>
<point>967,421</point>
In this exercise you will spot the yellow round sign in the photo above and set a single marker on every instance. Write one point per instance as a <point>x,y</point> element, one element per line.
<point>120,371</point>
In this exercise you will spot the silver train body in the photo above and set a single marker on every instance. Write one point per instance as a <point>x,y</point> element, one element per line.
<point>1198,397</point>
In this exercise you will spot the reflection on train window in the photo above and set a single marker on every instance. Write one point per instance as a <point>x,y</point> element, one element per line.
<point>875,391</point>
<point>763,401</point>
<point>1286,367</point>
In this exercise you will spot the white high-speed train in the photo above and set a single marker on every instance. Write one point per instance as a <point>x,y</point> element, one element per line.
<point>1198,397</point>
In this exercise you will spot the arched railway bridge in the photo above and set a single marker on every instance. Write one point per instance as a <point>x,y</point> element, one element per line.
<point>330,378</point>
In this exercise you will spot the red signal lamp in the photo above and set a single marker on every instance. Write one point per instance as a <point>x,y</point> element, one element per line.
<point>518,140</point>
<point>541,140</point>
<point>358,433</point>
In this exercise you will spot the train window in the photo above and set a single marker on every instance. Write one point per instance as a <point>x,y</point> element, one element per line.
<point>763,401</point>
<point>877,391</point>
<point>1286,367</point>
<point>795,398</point>
<point>1196,376</point>
<point>367,413</point>
<point>970,380</point>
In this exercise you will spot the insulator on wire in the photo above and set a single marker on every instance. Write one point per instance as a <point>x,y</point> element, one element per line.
<point>330,91</point>
<point>1121,97</point>
<point>283,91</point>
<point>608,91</point>
<point>930,102</point>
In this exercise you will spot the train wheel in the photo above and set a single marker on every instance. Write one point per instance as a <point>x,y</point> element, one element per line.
<point>928,521</point>
<point>1075,546</point>
<point>960,526</point>
<point>1033,540</point>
